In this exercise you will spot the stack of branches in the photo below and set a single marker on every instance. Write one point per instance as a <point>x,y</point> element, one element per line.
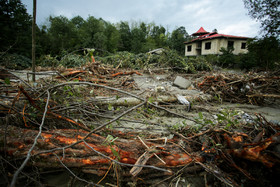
<point>47,132</point>
<point>250,88</point>
<point>97,72</point>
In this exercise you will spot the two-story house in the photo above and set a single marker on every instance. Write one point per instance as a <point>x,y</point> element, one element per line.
<point>206,43</point>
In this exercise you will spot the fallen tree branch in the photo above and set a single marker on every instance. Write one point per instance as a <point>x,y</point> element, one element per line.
<point>34,104</point>
<point>121,91</point>
<point>125,164</point>
<point>94,130</point>
<point>13,183</point>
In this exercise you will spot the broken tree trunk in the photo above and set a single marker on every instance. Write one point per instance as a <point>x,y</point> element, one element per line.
<point>130,101</point>
<point>94,154</point>
<point>56,143</point>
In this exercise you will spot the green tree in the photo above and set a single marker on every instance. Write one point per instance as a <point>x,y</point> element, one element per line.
<point>62,34</point>
<point>138,36</point>
<point>158,34</point>
<point>227,59</point>
<point>78,21</point>
<point>265,52</point>
<point>113,37</point>
<point>92,33</point>
<point>125,37</point>
<point>267,12</point>
<point>100,41</point>
<point>43,45</point>
<point>76,24</point>
<point>144,29</point>
<point>155,38</point>
<point>177,39</point>
<point>15,24</point>
<point>149,44</point>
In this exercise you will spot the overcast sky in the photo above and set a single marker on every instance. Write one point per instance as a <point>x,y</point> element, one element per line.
<point>227,16</point>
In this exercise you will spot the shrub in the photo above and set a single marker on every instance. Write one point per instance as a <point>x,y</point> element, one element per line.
<point>200,63</point>
<point>212,59</point>
<point>227,59</point>
<point>68,60</point>
<point>265,52</point>
<point>48,61</point>
<point>168,58</point>
<point>15,61</point>
<point>73,60</point>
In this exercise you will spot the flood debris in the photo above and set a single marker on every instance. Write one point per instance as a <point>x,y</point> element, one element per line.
<point>184,101</point>
<point>251,88</point>
<point>72,122</point>
<point>182,82</point>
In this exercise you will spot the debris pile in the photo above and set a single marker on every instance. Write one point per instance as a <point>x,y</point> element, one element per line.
<point>98,73</point>
<point>62,125</point>
<point>250,88</point>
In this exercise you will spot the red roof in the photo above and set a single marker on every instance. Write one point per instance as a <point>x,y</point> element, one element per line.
<point>200,32</point>
<point>215,35</point>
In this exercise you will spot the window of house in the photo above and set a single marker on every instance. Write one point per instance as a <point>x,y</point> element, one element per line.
<point>208,45</point>
<point>243,45</point>
<point>189,48</point>
<point>230,44</point>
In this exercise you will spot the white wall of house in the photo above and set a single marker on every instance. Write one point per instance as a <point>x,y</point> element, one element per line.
<point>216,45</point>
<point>193,51</point>
<point>237,47</point>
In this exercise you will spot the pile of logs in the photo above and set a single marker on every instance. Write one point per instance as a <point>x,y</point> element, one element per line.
<point>91,153</point>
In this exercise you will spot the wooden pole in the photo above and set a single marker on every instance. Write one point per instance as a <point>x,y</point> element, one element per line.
<point>33,39</point>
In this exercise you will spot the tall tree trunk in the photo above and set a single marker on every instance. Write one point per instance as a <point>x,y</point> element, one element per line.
<point>33,39</point>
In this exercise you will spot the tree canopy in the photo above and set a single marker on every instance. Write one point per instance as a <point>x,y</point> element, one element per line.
<point>63,34</point>
<point>267,12</point>
<point>15,24</point>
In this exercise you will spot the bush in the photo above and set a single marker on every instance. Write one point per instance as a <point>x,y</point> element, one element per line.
<point>171,58</point>
<point>73,60</point>
<point>200,63</point>
<point>69,60</point>
<point>246,61</point>
<point>168,58</point>
<point>15,61</point>
<point>227,59</point>
<point>212,59</point>
<point>48,61</point>
<point>265,52</point>
<point>122,59</point>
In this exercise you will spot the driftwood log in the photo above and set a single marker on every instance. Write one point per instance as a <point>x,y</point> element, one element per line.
<point>49,146</point>
<point>55,149</point>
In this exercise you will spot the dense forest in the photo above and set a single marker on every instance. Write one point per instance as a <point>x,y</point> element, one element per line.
<point>61,36</point>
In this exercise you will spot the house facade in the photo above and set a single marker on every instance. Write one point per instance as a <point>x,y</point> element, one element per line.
<point>207,43</point>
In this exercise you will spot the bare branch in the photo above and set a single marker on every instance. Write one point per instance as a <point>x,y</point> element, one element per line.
<point>94,130</point>
<point>34,144</point>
